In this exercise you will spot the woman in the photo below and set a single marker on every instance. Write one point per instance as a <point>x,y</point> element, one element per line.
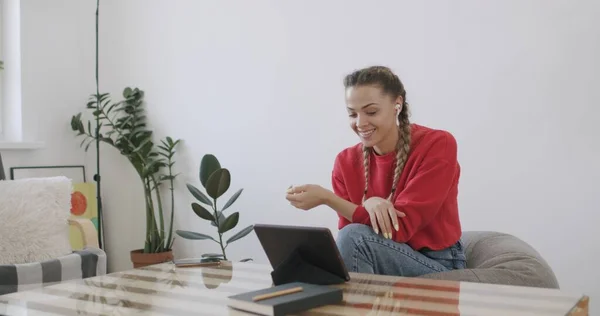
<point>396,191</point>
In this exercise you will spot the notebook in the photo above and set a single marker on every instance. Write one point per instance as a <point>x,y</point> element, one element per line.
<point>304,296</point>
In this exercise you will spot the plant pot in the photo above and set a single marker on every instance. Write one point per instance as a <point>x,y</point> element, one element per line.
<point>141,259</point>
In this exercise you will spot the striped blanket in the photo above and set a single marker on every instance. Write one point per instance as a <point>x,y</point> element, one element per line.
<point>80,264</point>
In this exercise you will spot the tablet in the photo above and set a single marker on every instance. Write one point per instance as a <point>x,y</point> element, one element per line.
<point>316,244</point>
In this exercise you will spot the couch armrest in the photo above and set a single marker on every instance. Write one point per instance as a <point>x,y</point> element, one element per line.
<point>76,265</point>
<point>88,231</point>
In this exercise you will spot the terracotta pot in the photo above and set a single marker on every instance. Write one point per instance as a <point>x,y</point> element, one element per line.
<point>140,259</point>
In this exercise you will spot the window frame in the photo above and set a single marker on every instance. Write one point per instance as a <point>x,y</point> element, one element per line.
<point>11,119</point>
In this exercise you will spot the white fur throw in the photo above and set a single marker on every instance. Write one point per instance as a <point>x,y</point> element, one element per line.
<point>34,217</point>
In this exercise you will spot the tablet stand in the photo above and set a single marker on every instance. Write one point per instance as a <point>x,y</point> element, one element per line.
<point>297,268</point>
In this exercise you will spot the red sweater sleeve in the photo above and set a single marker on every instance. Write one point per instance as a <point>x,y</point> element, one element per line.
<point>339,188</point>
<point>424,194</point>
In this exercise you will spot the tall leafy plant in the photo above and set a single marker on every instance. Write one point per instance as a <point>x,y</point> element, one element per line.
<point>123,126</point>
<point>216,181</point>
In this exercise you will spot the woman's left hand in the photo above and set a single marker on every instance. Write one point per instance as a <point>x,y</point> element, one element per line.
<point>307,196</point>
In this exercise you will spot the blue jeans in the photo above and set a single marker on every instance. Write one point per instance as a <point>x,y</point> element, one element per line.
<point>366,252</point>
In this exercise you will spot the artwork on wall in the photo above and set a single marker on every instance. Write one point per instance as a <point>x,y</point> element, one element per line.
<point>83,205</point>
<point>76,172</point>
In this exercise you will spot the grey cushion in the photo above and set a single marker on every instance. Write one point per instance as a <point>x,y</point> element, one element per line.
<point>500,258</point>
<point>80,264</point>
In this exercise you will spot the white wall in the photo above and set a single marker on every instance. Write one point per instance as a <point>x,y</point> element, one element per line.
<point>514,81</point>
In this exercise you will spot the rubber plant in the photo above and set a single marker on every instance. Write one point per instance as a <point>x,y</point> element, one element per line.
<point>216,181</point>
<point>123,126</point>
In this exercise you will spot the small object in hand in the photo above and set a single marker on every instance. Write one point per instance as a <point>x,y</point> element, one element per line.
<point>276,294</point>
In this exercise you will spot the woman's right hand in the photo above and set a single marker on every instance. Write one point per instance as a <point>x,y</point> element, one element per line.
<point>384,217</point>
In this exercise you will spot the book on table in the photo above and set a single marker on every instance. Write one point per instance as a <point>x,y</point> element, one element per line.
<point>285,299</point>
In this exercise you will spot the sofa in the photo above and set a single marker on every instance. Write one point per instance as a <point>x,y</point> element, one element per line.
<point>79,264</point>
<point>500,258</point>
<point>36,230</point>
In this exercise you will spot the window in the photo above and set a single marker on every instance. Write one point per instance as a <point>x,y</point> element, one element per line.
<point>11,129</point>
<point>1,63</point>
<point>10,101</point>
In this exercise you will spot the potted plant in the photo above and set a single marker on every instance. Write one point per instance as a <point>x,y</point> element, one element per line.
<point>216,181</point>
<point>122,125</point>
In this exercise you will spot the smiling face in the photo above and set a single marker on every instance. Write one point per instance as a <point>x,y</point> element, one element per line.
<point>378,111</point>
<point>372,116</point>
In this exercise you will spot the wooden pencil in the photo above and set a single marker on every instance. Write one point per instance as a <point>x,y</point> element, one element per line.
<point>277,293</point>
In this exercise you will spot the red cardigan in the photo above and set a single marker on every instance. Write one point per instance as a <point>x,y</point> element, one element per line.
<point>427,189</point>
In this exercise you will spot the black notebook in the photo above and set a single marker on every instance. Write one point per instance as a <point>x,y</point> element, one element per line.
<point>310,296</point>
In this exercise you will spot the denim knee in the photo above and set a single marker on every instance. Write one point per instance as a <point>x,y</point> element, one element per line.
<point>352,235</point>
<point>354,232</point>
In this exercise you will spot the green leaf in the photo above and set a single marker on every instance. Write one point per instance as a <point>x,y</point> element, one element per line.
<point>232,199</point>
<point>107,140</point>
<point>74,124</point>
<point>241,234</point>
<point>127,92</point>
<point>88,145</point>
<point>111,107</point>
<point>220,216</point>
<point>218,183</point>
<point>80,127</point>
<point>198,194</point>
<point>192,235</point>
<point>140,146</point>
<point>229,223</point>
<point>208,165</point>
<point>202,212</point>
<point>150,168</point>
<point>102,97</point>
<point>104,104</point>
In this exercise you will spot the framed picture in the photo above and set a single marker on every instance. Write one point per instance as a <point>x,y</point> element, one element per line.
<point>74,172</point>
